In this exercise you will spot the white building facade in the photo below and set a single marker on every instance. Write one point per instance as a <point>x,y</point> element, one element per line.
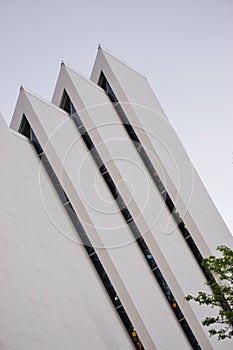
<point>104,221</point>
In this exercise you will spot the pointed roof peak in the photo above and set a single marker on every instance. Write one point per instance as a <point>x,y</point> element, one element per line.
<point>99,47</point>
<point>107,53</point>
<point>62,63</point>
<point>73,72</point>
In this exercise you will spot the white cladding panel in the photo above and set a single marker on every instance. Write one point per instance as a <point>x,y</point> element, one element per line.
<point>172,163</point>
<point>107,132</point>
<point>116,237</point>
<point>181,171</point>
<point>147,198</point>
<point>143,110</point>
<point>50,294</point>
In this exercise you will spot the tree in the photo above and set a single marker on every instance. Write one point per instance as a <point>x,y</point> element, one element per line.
<point>221,297</point>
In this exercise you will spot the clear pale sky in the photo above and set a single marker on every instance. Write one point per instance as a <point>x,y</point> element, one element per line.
<point>184,47</point>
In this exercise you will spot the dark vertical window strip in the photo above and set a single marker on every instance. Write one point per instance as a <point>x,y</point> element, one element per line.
<point>133,227</point>
<point>157,181</point>
<point>83,236</point>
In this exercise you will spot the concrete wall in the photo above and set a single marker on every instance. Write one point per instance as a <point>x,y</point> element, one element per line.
<point>52,295</point>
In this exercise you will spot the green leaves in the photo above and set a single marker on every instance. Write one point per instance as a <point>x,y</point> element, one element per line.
<point>222,294</point>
